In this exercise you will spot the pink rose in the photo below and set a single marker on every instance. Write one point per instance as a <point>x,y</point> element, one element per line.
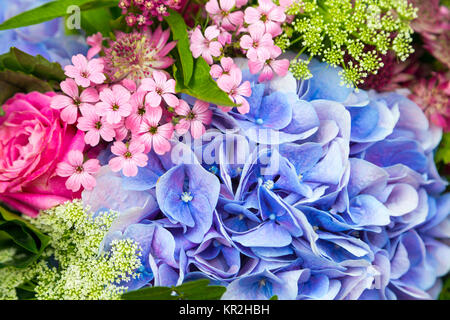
<point>33,140</point>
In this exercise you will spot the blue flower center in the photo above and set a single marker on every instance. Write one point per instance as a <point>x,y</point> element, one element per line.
<point>186,197</point>
<point>269,184</point>
<point>272,216</point>
<point>216,243</point>
<point>259,121</point>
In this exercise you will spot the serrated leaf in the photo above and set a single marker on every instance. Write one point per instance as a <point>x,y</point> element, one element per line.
<point>179,34</point>
<point>52,10</point>
<point>17,60</point>
<point>194,290</point>
<point>25,238</point>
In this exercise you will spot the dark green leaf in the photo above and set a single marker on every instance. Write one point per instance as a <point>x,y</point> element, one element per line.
<point>202,86</point>
<point>179,34</point>
<point>21,72</point>
<point>153,293</point>
<point>25,238</point>
<point>275,297</point>
<point>52,10</point>
<point>38,66</point>
<point>194,290</point>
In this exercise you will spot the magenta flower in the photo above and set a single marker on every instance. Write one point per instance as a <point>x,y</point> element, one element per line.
<point>130,156</point>
<point>206,46</point>
<point>258,43</point>
<point>159,88</point>
<point>236,90</point>
<point>267,16</point>
<point>270,66</point>
<point>96,127</point>
<point>114,104</point>
<point>221,14</point>
<point>80,173</point>
<point>194,119</point>
<point>96,43</point>
<point>226,64</point>
<point>84,72</point>
<point>72,101</point>
<point>153,135</point>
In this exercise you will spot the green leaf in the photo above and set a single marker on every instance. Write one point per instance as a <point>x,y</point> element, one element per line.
<point>25,238</point>
<point>202,86</point>
<point>275,297</point>
<point>97,20</point>
<point>194,290</point>
<point>445,292</point>
<point>179,34</point>
<point>443,152</point>
<point>52,10</point>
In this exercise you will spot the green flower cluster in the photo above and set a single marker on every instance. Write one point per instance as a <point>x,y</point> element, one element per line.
<point>353,34</point>
<point>74,267</point>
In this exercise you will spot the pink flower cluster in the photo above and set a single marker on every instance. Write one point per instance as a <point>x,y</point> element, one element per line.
<point>249,29</point>
<point>136,118</point>
<point>140,13</point>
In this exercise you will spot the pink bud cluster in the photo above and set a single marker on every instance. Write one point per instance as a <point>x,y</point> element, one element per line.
<point>139,13</point>
<point>248,29</point>
<point>135,118</point>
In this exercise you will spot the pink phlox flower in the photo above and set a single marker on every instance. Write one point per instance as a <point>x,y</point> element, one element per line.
<point>96,43</point>
<point>258,43</point>
<point>130,156</point>
<point>139,108</point>
<point>226,64</point>
<point>222,15</point>
<point>270,66</point>
<point>236,90</point>
<point>96,127</point>
<point>154,135</point>
<point>159,87</point>
<point>84,72</point>
<point>194,118</point>
<point>72,101</point>
<point>206,46</point>
<point>80,173</point>
<point>267,15</point>
<point>114,104</point>
<point>121,130</point>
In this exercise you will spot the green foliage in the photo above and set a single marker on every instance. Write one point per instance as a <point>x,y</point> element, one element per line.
<point>202,86</point>
<point>179,34</point>
<point>21,72</point>
<point>361,30</point>
<point>96,20</point>
<point>445,293</point>
<point>19,237</point>
<point>198,84</point>
<point>195,290</point>
<point>443,152</point>
<point>52,10</point>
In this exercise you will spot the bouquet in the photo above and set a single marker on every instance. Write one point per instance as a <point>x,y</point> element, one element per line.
<point>224,149</point>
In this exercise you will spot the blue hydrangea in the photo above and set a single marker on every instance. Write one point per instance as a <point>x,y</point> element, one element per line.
<point>47,39</point>
<point>319,192</point>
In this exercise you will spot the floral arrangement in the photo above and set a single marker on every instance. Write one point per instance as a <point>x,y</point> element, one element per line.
<point>225,149</point>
